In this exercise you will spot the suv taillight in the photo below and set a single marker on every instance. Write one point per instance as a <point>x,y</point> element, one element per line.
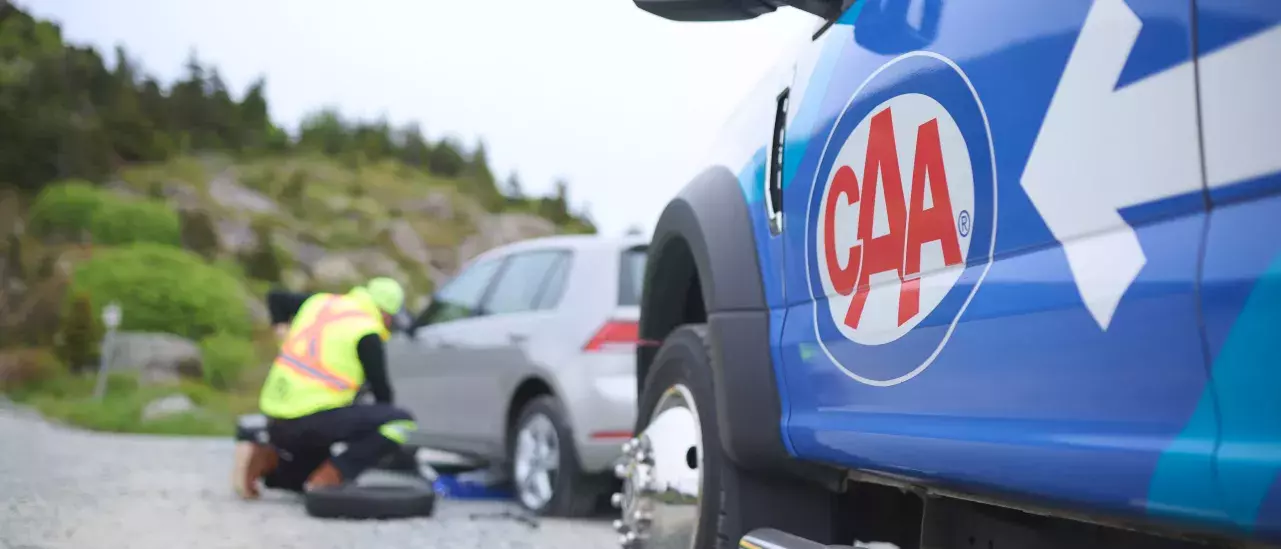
<point>618,335</point>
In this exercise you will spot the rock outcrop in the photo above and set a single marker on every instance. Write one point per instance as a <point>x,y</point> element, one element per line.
<point>168,406</point>
<point>227,192</point>
<point>408,242</point>
<point>157,358</point>
<point>500,229</point>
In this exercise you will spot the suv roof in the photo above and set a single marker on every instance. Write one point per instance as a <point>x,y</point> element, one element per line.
<point>575,242</point>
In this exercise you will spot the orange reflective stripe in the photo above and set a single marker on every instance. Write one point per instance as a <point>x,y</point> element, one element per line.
<point>309,363</point>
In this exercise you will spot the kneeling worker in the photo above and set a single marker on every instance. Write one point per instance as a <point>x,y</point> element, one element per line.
<point>333,347</point>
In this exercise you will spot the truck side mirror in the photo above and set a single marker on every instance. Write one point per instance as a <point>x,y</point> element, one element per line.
<point>705,10</point>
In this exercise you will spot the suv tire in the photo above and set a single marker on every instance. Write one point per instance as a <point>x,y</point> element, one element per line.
<point>574,494</point>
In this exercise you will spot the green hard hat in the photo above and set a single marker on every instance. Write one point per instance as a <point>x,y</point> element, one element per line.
<point>387,294</point>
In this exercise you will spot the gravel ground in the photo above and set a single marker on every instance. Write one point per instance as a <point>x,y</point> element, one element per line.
<point>61,487</point>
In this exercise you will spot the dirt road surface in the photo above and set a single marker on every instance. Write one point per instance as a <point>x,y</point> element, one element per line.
<point>65,488</point>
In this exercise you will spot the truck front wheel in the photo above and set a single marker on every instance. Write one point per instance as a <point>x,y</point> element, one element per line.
<point>679,488</point>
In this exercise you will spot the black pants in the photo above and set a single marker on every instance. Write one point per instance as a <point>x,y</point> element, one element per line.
<point>305,442</point>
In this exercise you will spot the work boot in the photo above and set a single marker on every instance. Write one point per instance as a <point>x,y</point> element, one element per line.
<point>325,476</point>
<point>253,461</point>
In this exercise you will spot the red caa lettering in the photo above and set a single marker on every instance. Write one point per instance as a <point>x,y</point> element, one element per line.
<point>898,251</point>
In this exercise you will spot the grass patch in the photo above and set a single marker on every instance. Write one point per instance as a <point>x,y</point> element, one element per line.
<point>69,399</point>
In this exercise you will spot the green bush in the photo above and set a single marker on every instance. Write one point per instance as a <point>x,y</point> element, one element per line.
<point>225,358</point>
<point>117,222</point>
<point>65,209</point>
<point>164,289</point>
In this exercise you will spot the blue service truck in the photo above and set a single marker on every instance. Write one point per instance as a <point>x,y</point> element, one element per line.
<point>974,273</point>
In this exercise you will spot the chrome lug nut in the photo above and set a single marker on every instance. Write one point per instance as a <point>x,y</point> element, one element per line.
<point>620,526</point>
<point>616,500</point>
<point>620,470</point>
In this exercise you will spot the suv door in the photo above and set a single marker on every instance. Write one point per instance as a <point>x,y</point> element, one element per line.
<point>419,362</point>
<point>1059,356</point>
<point>1239,44</point>
<point>493,353</point>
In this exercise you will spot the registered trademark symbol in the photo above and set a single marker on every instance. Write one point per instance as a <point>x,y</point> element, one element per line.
<point>963,223</point>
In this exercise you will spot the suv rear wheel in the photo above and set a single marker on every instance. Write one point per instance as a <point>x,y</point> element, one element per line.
<point>544,466</point>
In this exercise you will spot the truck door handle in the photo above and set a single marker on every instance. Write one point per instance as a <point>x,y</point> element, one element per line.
<point>517,339</point>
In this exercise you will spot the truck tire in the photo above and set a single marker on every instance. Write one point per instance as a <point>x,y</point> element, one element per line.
<point>732,501</point>
<point>543,427</point>
<point>387,496</point>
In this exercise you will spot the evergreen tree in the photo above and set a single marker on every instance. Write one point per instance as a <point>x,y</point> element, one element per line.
<point>414,149</point>
<point>80,335</point>
<point>481,180</point>
<point>224,115</point>
<point>255,122</point>
<point>514,189</point>
<point>445,160</point>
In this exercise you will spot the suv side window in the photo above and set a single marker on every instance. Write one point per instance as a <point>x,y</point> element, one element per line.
<point>460,298</point>
<point>554,287</point>
<point>518,286</point>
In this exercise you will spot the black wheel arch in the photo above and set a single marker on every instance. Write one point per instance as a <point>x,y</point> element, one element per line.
<point>703,268</point>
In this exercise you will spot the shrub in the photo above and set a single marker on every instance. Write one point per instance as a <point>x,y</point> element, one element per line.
<point>13,267</point>
<point>199,234</point>
<point>263,262</point>
<point>23,369</point>
<point>156,190</point>
<point>225,358</point>
<point>164,289</point>
<point>117,222</point>
<point>33,317</point>
<point>65,209</point>
<point>81,334</point>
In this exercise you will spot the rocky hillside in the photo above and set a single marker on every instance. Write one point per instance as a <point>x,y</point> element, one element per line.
<point>328,225</point>
<point>301,221</point>
<point>189,247</point>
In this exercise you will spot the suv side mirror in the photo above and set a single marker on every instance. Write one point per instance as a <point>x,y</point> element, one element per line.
<point>402,322</point>
<point>424,317</point>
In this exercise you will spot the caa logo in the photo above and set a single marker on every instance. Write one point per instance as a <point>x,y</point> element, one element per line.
<point>902,219</point>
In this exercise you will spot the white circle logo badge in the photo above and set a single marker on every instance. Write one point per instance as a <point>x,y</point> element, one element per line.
<point>902,219</point>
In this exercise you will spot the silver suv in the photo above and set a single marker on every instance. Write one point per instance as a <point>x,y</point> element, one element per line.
<point>527,358</point>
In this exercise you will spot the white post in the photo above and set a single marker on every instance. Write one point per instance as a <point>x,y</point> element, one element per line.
<point>111,317</point>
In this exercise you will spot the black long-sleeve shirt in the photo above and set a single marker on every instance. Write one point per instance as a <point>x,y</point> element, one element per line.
<point>284,305</point>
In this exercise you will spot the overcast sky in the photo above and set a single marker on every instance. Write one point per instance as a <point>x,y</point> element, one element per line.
<point>618,102</point>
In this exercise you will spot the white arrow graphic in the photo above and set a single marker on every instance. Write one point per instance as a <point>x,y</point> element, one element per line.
<point>1101,149</point>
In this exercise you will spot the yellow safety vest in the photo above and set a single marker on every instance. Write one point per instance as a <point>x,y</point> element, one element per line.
<point>317,368</point>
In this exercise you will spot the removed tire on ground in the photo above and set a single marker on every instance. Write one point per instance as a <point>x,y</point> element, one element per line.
<point>375,495</point>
